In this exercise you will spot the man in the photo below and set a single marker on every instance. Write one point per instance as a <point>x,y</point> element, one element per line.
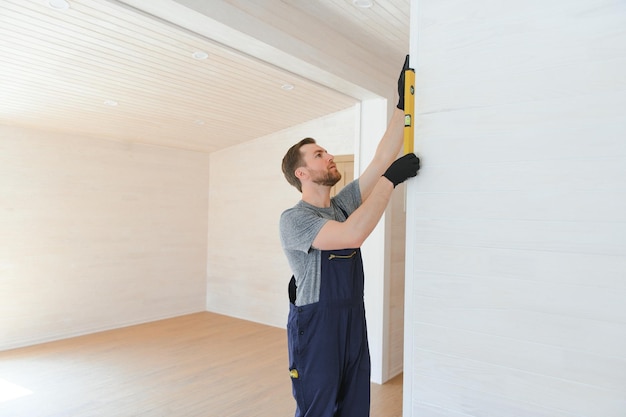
<point>321,236</point>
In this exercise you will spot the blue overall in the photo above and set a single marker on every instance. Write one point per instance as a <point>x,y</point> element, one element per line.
<point>328,350</point>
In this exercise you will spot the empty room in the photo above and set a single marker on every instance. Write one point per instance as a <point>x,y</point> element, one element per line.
<point>144,267</point>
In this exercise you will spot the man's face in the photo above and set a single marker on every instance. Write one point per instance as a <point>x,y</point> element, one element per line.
<point>320,165</point>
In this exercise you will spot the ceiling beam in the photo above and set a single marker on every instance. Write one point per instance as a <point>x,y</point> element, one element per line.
<point>340,64</point>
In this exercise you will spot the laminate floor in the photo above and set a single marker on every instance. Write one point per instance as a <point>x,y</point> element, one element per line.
<point>199,365</point>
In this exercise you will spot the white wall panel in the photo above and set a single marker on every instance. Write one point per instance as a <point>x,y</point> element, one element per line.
<point>599,237</point>
<point>537,266</point>
<point>454,400</point>
<point>96,234</point>
<point>537,358</point>
<point>519,386</point>
<point>517,226</point>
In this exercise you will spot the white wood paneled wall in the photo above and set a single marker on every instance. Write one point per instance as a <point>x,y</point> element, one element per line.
<point>517,278</point>
<point>97,234</point>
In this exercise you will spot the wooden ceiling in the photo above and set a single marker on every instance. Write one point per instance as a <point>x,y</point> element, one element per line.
<point>125,70</point>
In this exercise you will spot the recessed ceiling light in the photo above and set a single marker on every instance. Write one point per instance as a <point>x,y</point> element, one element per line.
<point>111,103</point>
<point>287,87</point>
<point>364,4</point>
<point>200,55</point>
<point>59,4</point>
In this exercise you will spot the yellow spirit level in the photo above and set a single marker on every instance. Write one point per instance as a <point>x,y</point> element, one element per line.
<point>409,109</point>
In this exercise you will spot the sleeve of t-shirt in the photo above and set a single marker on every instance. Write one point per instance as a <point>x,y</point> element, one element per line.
<point>349,198</point>
<point>299,227</point>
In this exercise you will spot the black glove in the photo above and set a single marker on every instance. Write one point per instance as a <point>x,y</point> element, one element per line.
<point>401,84</point>
<point>402,169</point>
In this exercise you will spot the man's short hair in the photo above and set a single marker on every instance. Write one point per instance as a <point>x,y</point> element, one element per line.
<point>293,160</point>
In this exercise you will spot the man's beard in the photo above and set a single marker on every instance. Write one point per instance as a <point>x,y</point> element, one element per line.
<point>328,178</point>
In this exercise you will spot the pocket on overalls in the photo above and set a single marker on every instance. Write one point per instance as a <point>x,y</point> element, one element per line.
<point>338,274</point>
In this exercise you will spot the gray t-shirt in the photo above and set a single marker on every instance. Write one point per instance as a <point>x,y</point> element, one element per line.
<point>299,226</point>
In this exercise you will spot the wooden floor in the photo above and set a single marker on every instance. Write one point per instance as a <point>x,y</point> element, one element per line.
<point>197,365</point>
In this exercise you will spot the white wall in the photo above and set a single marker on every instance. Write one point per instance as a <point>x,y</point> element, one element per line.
<point>97,234</point>
<point>516,286</point>
<point>248,273</point>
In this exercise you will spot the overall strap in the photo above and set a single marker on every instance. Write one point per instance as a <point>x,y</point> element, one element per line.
<point>292,290</point>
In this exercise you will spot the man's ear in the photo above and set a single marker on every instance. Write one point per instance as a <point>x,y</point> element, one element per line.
<point>301,173</point>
